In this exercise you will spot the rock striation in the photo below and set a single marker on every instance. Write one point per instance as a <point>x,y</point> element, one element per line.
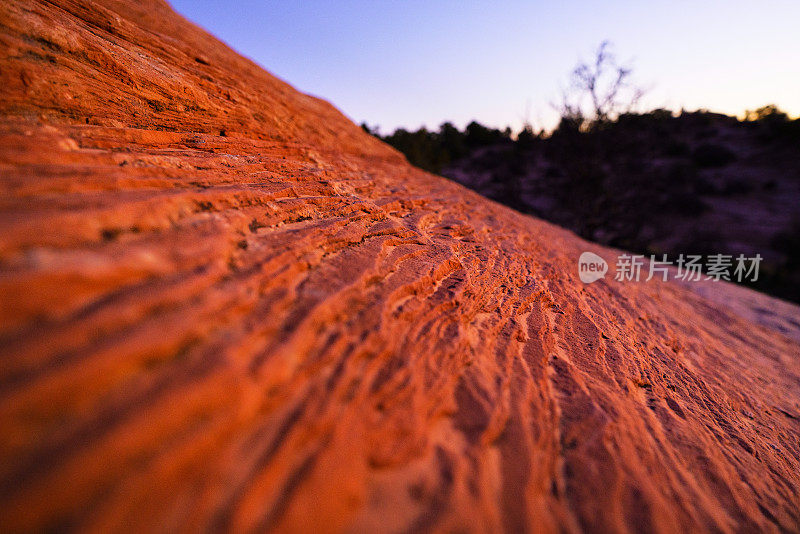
<point>225,307</point>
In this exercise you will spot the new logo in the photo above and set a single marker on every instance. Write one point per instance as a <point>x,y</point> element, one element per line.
<point>591,267</point>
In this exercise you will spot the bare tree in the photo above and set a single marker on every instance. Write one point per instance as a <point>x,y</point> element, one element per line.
<point>599,91</point>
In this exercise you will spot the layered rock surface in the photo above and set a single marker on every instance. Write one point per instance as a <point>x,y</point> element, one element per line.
<point>224,306</point>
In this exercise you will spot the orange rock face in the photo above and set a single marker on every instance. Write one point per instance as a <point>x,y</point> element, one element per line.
<point>224,307</point>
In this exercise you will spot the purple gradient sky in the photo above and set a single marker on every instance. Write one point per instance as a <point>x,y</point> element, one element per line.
<point>418,63</point>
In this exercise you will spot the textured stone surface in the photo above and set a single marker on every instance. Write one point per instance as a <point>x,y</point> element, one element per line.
<point>225,307</point>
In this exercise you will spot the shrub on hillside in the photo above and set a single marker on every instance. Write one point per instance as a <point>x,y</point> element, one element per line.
<point>709,155</point>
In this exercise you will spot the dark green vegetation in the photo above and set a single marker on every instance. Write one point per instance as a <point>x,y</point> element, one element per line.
<point>433,151</point>
<point>651,183</point>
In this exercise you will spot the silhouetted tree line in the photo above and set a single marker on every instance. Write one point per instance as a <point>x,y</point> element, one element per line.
<point>434,150</point>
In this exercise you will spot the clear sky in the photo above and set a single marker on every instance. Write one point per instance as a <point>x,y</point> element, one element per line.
<point>412,63</point>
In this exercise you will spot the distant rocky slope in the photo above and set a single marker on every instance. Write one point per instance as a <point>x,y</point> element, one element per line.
<point>225,307</point>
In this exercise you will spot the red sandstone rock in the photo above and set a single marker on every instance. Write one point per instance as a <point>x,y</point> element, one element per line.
<point>226,307</point>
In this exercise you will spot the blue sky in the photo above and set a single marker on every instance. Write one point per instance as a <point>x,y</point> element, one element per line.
<point>412,63</point>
